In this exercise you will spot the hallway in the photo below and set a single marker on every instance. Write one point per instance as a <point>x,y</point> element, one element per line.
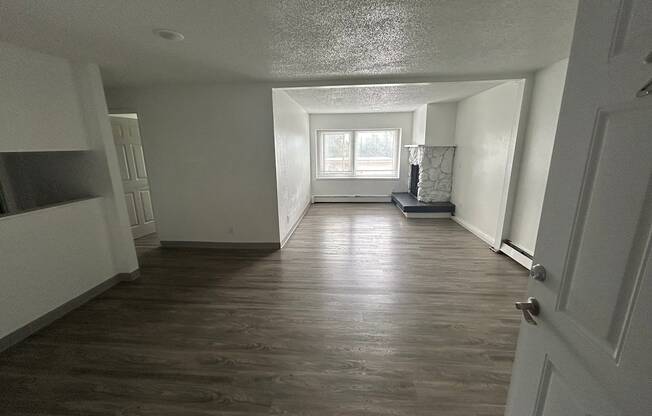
<point>362,313</point>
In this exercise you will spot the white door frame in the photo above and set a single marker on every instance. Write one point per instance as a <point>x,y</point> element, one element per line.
<point>130,110</point>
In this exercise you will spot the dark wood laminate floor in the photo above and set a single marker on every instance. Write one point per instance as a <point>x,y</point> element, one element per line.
<point>363,313</point>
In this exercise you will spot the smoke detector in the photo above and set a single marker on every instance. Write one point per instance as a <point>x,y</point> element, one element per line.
<point>168,34</point>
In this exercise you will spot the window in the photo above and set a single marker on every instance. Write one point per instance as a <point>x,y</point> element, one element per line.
<point>358,153</point>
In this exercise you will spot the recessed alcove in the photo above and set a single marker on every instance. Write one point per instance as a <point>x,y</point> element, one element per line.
<point>33,180</point>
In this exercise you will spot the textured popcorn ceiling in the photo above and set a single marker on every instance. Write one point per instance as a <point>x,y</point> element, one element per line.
<point>384,98</point>
<point>270,40</point>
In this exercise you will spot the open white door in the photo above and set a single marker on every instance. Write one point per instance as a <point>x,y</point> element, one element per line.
<point>126,135</point>
<point>591,351</point>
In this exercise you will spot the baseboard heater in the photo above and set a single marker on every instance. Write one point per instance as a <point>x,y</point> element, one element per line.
<point>351,198</point>
<point>519,255</point>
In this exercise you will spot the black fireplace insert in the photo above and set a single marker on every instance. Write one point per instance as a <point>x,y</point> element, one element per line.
<point>414,179</point>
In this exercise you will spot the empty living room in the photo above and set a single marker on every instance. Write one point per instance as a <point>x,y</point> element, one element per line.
<point>325,207</point>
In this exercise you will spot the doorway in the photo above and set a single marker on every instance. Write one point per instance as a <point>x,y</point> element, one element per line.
<point>135,180</point>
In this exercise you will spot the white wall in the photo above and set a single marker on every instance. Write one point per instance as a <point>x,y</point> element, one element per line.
<point>210,158</point>
<point>419,120</point>
<point>292,149</point>
<point>485,136</point>
<point>440,124</point>
<point>434,124</point>
<point>50,256</point>
<point>38,87</point>
<point>537,150</point>
<point>402,121</point>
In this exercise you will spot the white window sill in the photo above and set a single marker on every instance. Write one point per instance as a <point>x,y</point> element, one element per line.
<point>348,178</point>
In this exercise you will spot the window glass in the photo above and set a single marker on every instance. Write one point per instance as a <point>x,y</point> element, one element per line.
<point>358,153</point>
<point>375,153</point>
<point>336,152</point>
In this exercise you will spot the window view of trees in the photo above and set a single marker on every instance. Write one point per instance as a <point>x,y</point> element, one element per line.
<point>360,153</point>
<point>337,152</point>
<point>375,151</point>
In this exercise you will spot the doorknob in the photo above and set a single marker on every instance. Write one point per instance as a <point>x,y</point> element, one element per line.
<point>538,272</point>
<point>529,309</point>
<point>646,90</point>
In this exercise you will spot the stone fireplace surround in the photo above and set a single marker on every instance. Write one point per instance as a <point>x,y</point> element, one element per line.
<point>435,171</point>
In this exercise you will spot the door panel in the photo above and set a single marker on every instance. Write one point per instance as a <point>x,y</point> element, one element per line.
<point>555,397</point>
<point>139,161</point>
<point>559,394</point>
<point>148,213</point>
<point>589,352</point>
<point>633,30</point>
<point>131,209</point>
<point>117,131</point>
<point>123,162</point>
<point>613,207</point>
<point>134,175</point>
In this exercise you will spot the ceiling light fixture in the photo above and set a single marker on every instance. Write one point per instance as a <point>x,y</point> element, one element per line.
<point>168,34</point>
<point>338,87</point>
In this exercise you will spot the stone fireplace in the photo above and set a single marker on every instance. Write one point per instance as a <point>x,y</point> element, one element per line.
<point>431,172</point>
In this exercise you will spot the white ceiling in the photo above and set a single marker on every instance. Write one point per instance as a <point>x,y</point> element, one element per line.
<point>384,98</point>
<point>271,40</point>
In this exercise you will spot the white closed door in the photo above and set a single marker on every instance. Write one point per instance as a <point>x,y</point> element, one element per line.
<point>591,350</point>
<point>134,175</point>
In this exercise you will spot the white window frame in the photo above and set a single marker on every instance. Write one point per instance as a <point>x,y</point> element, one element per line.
<point>319,174</point>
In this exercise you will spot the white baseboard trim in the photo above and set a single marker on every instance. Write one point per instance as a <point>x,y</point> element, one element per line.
<point>222,245</point>
<point>351,198</point>
<point>427,214</point>
<point>475,230</point>
<point>517,256</point>
<point>296,224</point>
